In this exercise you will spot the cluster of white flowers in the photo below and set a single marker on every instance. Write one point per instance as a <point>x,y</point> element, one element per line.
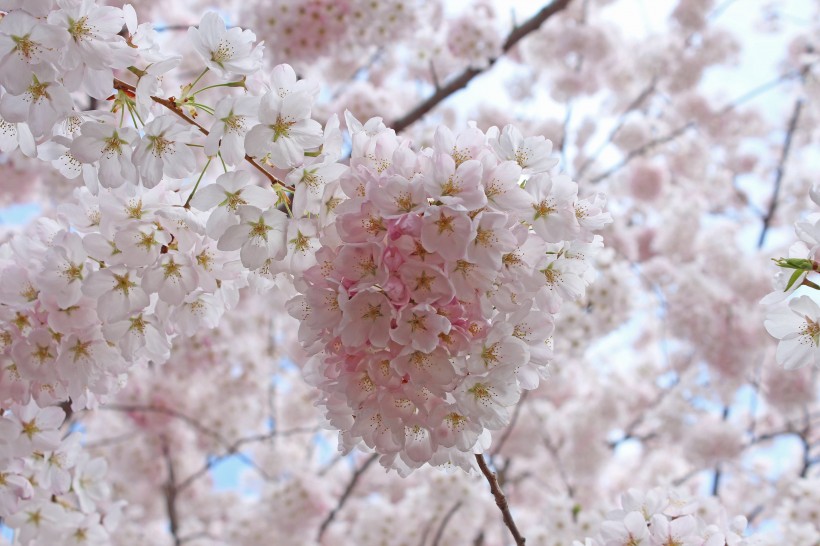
<point>795,321</point>
<point>430,307</point>
<point>440,271</point>
<point>661,517</point>
<point>50,490</point>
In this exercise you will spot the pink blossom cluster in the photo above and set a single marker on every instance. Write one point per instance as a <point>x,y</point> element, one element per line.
<point>433,300</point>
<point>307,29</point>
<point>51,492</point>
<point>662,517</point>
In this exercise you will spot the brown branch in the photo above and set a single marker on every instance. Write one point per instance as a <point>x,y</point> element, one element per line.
<point>500,500</point>
<point>780,171</point>
<point>447,517</point>
<point>461,81</point>
<point>173,107</point>
<point>343,499</point>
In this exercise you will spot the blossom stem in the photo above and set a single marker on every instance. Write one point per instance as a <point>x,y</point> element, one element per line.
<point>203,107</point>
<point>131,112</point>
<point>187,204</point>
<point>172,106</point>
<point>227,84</point>
<point>810,284</point>
<point>500,500</point>
<point>196,81</point>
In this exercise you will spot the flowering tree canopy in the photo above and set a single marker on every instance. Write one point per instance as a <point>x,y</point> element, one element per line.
<point>520,260</point>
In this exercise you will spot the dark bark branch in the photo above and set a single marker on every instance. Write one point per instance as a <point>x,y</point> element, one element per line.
<point>343,499</point>
<point>500,500</point>
<point>461,81</point>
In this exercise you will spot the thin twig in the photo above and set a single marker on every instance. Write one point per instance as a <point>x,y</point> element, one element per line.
<point>644,94</point>
<point>672,135</point>
<point>171,496</point>
<point>629,431</point>
<point>447,517</point>
<point>348,490</point>
<point>553,451</point>
<point>194,424</point>
<point>233,449</point>
<point>173,107</point>
<point>461,81</point>
<point>641,150</point>
<point>509,429</point>
<point>112,440</point>
<point>718,467</point>
<point>780,171</point>
<point>500,500</point>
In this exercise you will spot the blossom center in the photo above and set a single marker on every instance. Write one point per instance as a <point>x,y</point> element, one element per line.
<point>79,29</point>
<point>259,229</point>
<point>301,243</point>
<point>812,330</point>
<point>543,209</point>
<point>281,128</point>
<point>123,283</point>
<point>25,46</point>
<point>224,52</point>
<point>160,145</point>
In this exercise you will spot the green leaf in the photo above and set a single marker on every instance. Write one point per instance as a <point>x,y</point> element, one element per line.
<point>793,279</point>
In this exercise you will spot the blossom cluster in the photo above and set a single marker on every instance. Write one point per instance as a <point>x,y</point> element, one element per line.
<point>795,321</point>
<point>662,517</point>
<point>137,257</point>
<point>438,280</point>
<point>51,491</point>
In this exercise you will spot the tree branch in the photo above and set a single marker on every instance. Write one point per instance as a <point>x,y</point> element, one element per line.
<point>461,81</point>
<point>507,431</point>
<point>173,107</point>
<point>675,133</point>
<point>230,450</point>
<point>171,496</point>
<point>447,517</point>
<point>500,500</point>
<point>642,96</point>
<point>348,490</point>
<point>780,171</point>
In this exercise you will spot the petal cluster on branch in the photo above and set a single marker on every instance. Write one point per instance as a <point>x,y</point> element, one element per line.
<point>438,280</point>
